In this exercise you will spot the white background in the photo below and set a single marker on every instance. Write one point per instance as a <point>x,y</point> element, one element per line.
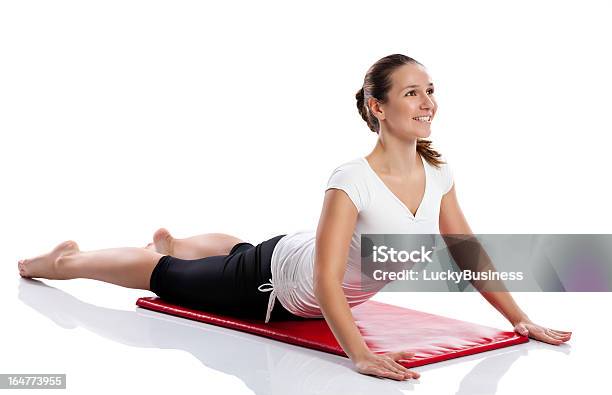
<point>119,117</point>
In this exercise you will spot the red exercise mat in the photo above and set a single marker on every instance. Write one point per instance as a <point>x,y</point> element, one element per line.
<point>384,328</point>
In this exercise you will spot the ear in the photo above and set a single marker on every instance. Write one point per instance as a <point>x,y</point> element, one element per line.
<point>375,108</point>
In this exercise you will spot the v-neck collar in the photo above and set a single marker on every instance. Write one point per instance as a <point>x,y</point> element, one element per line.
<point>419,208</point>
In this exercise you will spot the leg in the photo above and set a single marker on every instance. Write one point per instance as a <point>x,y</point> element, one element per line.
<point>195,247</point>
<point>129,267</point>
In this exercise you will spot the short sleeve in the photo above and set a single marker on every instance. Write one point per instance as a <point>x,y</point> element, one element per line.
<point>447,173</point>
<point>350,178</point>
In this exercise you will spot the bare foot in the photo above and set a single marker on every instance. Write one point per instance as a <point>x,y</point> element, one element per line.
<point>43,266</point>
<point>163,241</point>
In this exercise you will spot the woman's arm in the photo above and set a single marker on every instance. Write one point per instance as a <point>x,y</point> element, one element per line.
<point>334,232</point>
<point>452,221</point>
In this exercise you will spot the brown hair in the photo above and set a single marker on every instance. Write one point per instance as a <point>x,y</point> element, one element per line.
<point>377,84</point>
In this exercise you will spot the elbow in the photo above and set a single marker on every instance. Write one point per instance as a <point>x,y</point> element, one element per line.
<point>317,285</point>
<point>322,283</point>
<point>318,289</point>
<point>321,292</point>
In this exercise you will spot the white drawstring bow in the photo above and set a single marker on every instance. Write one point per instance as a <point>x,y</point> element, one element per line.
<point>272,289</point>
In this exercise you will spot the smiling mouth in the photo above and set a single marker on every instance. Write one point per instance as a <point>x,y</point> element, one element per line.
<point>426,119</point>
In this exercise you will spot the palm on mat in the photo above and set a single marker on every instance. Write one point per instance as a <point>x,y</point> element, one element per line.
<point>537,332</point>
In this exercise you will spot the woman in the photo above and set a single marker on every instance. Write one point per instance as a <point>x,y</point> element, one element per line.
<point>400,187</point>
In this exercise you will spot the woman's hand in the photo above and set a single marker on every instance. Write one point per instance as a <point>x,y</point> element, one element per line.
<point>385,365</point>
<point>552,336</point>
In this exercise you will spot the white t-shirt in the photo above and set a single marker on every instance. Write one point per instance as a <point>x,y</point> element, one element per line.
<point>380,211</point>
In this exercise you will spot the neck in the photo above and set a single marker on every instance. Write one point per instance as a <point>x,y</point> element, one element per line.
<point>399,158</point>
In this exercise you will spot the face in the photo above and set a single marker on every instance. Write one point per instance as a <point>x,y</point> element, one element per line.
<point>410,105</point>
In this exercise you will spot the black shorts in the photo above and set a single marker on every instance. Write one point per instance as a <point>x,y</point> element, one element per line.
<point>225,284</point>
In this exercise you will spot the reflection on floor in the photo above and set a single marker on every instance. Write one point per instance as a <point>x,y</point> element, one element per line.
<point>267,366</point>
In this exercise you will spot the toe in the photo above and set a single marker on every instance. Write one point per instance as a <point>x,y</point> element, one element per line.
<point>161,234</point>
<point>21,267</point>
<point>161,231</point>
<point>72,245</point>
